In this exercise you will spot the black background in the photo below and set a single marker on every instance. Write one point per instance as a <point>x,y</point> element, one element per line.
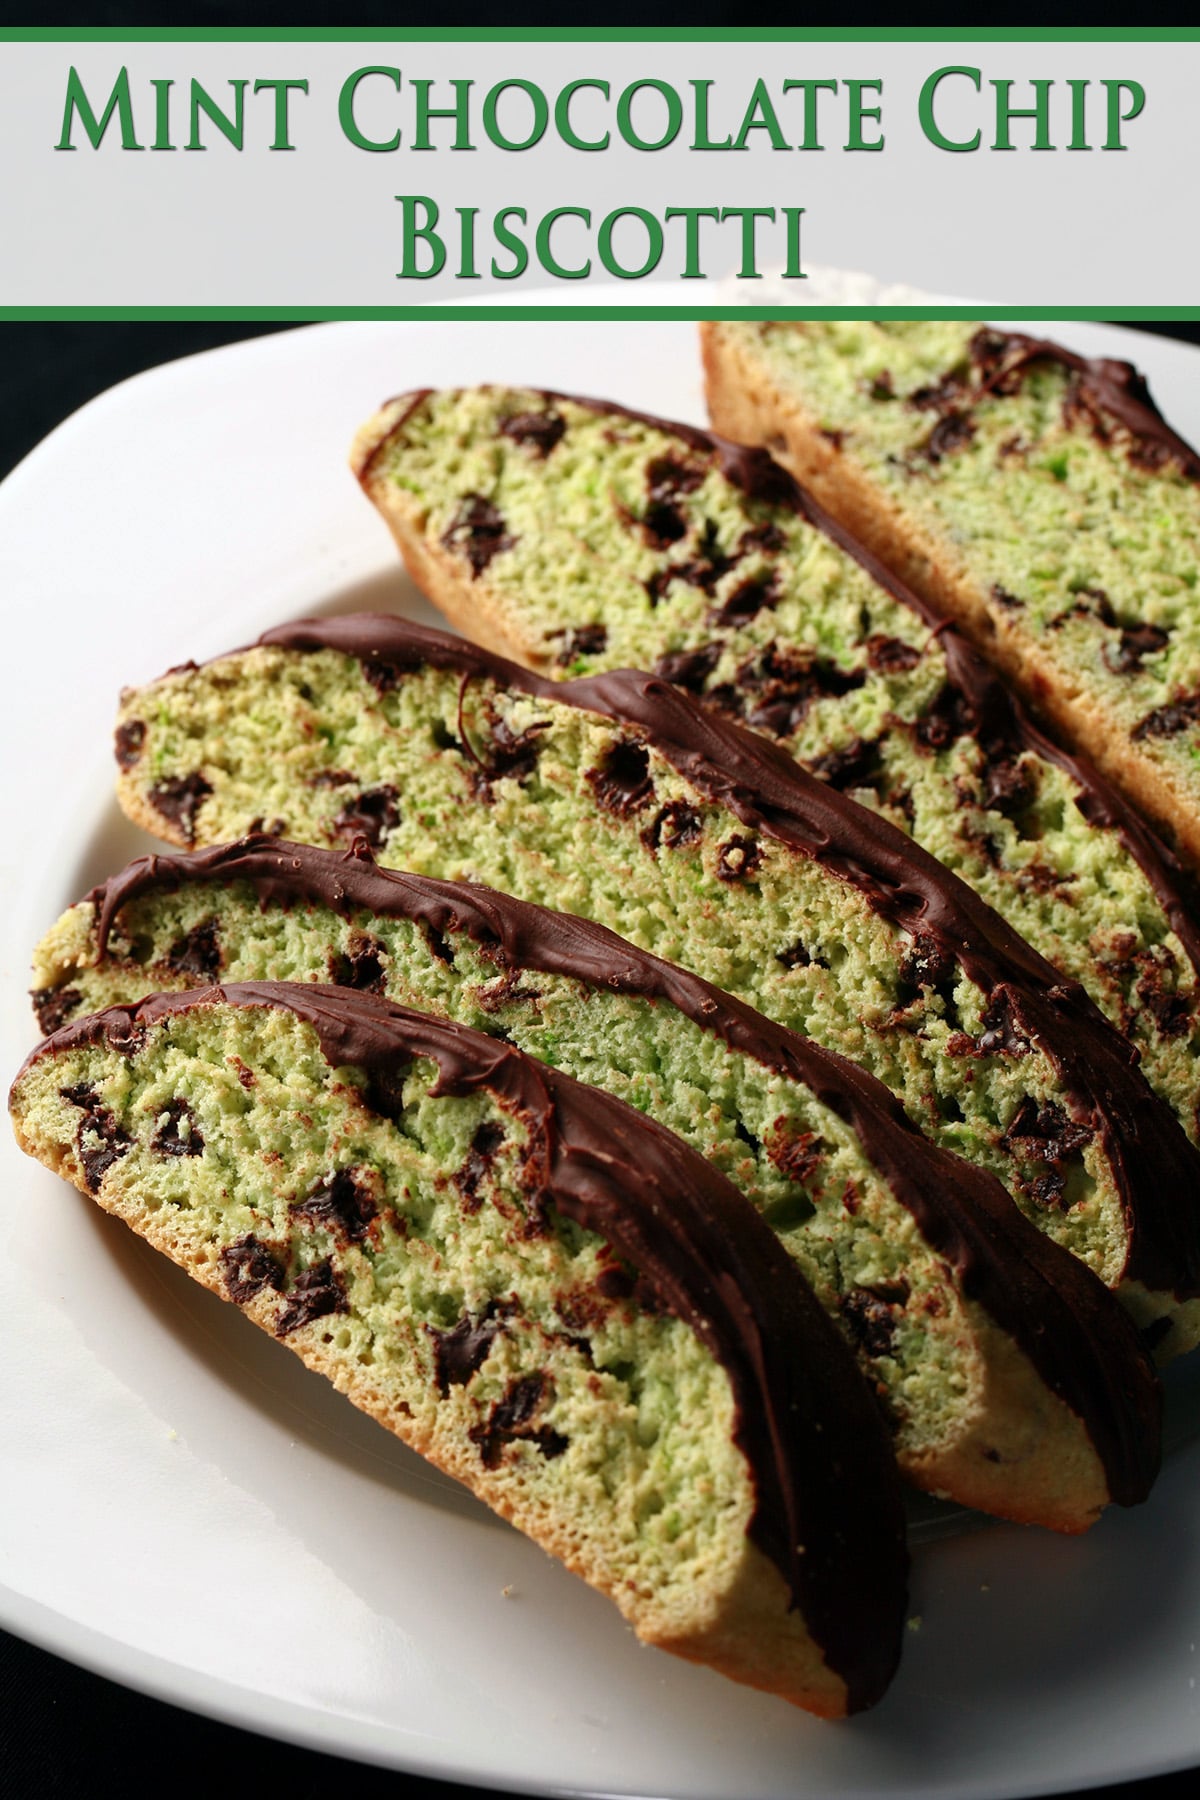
<point>64,1732</point>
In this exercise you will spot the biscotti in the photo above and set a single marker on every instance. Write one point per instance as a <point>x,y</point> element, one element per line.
<point>1037,496</point>
<point>620,798</point>
<point>581,537</point>
<point>531,1284</point>
<point>1011,1379</point>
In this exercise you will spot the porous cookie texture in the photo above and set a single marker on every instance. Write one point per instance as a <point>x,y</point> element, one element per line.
<point>580,537</point>
<point>1034,494</point>
<point>618,797</point>
<point>1011,1378</point>
<point>528,1282</point>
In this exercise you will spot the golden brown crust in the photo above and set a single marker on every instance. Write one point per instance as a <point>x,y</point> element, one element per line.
<point>472,606</point>
<point>743,407</point>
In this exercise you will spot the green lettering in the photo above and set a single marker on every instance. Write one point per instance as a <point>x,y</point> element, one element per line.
<point>929,124</point>
<point>282,91</point>
<point>693,215</point>
<point>413,234</point>
<point>511,242</point>
<point>203,102</point>
<point>625,115</point>
<point>118,102</point>
<point>811,89</point>
<point>346,119</point>
<point>541,115</point>
<point>562,117</point>
<point>749,215</point>
<point>858,112</point>
<point>458,112</point>
<point>1137,100</point>
<point>546,256</point>
<point>654,235</point>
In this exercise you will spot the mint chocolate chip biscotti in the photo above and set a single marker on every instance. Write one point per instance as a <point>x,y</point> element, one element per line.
<point>1035,495</point>
<point>531,1284</point>
<point>1011,1379</point>
<point>582,537</point>
<point>621,799</point>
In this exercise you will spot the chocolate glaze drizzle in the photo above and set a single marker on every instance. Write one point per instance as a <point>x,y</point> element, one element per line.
<point>824,1474</point>
<point>1078,1337</point>
<point>1156,1167</point>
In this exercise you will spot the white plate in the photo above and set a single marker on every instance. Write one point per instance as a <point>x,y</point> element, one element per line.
<point>183,1506</point>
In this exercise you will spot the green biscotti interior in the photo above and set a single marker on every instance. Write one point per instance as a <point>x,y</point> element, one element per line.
<point>1095,550</point>
<point>367,1243</point>
<point>305,740</point>
<point>622,545</point>
<point>803,1166</point>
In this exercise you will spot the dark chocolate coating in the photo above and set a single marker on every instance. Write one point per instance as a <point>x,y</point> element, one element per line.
<point>1078,1337</point>
<point>827,1498</point>
<point>1156,1167</point>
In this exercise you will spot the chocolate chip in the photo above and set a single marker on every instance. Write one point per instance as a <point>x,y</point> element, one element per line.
<point>372,815</point>
<point>881,387</point>
<point>178,800</point>
<point>178,1134</point>
<point>747,600</point>
<point>508,1423</point>
<point>796,1154</point>
<point>485,1145</point>
<point>99,1140</point>
<point>314,1294</point>
<point>1009,784</point>
<point>951,433</point>
<point>259,828</point>
<point>949,717</point>
<point>1003,598</point>
<point>199,953</point>
<point>672,826</point>
<point>774,690</point>
<point>621,780</point>
<point>54,1006</point>
<point>1137,641</point>
<point>477,532</point>
<point>340,1203</point>
<point>1169,721</point>
<point>869,1321</point>
<point>439,946</point>
<point>1043,1130</point>
<point>706,568</point>
<point>939,396</point>
<point>738,858</point>
<point>384,1092</point>
<point>581,640</point>
<point>507,754</point>
<point>247,1267</point>
<point>689,669</point>
<point>855,765</point>
<point>333,778</point>
<point>460,1351</point>
<point>541,431</point>
<point>928,964</point>
<point>891,656</point>
<point>798,956</point>
<point>1153,1334</point>
<point>361,966</point>
<point>127,742</point>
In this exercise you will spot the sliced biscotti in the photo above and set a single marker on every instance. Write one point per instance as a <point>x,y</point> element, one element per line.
<point>1036,495</point>
<point>531,1284</point>
<point>619,798</point>
<point>1009,1375</point>
<point>581,537</point>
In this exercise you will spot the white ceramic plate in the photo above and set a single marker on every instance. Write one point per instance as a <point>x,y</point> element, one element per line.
<point>185,1508</point>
